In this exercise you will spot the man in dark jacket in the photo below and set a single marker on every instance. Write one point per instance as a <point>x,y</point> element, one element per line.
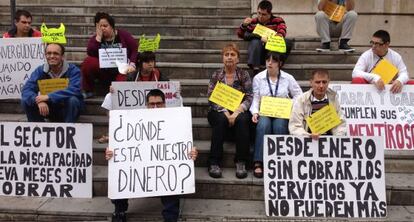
<point>62,104</point>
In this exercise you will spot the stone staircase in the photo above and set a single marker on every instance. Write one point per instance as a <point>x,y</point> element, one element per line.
<point>193,33</point>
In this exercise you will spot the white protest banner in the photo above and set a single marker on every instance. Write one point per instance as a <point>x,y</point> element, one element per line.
<point>131,95</point>
<point>369,112</point>
<point>151,148</point>
<point>46,159</point>
<point>339,177</point>
<point>19,57</point>
<point>109,56</point>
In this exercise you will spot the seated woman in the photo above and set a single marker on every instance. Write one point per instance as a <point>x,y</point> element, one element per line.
<point>106,37</point>
<point>221,119</point>
<point>276,83</point>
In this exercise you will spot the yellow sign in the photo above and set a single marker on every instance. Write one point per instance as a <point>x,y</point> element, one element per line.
<point>323,120</point>
<point>226,96</point>
<point>47,86</point>
<point>276,43</point>
<point>275,107</point>
<point>53,35</point>
<point>149,45</point>
<point>386,70</point>
<point>263,31</point>
<point>334,11</point>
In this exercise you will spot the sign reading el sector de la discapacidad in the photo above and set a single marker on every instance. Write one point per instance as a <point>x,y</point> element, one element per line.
<point>340,177</point>
<point>46,159</point>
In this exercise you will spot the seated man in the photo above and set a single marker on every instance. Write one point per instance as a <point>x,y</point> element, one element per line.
<point>155,99</point>
<point>327,28</point>
<point>380,43</point>
<point>313,100</point>
<point>61,105</point>
<point>256,50</point>
<point>23,28</point>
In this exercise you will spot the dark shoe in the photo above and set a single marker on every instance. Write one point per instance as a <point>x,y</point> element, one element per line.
<point>325,47</point>
<point>346,48</point>
<point>258,170</point>
<point>241,171</point>
<point>214,171</point>
<point>119,217</point>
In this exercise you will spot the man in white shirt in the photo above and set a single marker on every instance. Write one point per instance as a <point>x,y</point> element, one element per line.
<point>380,43</point>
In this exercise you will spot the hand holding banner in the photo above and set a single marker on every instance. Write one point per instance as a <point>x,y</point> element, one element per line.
<point>53,35</point>
<point>323,120</point>
<point>386,70</point>
<point>275,107</point>
<point>226,96</point>
<point>263,31</point>
<point>334,11</point>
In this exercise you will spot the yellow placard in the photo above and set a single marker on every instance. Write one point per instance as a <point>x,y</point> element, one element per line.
<point>53,35</point>
<point>334,11</point>
<point>386,70</point>
<point>149,45</point>
<point>276,43</point>
<point>263,31</point>
<point>323,120</point>
<point>226,96</point>
<point>275,107</point>
<point>47,86</point>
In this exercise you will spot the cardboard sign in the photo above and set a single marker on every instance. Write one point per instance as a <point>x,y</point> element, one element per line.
<point>339,177</point>
<point>109,56</point>
<point>323,120</point>
<point>53,35</point>
<point>132,95</point>
<point>369,112</point>
<point>275,107</point>
<point>151,148</point>
<point>226,96</point>
<point>386,70</point>
<point>19,57</point>
<point>263,31</point>
<point>149,45</point>
<point>47,86</point>
<point>46,159</point>
<point>334,11</point>
<point>276,43</point>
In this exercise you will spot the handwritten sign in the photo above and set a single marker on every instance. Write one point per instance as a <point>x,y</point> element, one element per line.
<point>46,159</point>
<point>369,112</point>
<point>323,120</point>
<point>132,95</point>
<point>386,70</point>
<point>226,96</point>
<point>334,11</point>
<point>151,149</point>
<point>275,107</point>
<point>109,56</point>
<point>276,43</point>
<point>332,177</point>
<point>263,31</point>
<point>149,45</point>
<point>47,86</point>
<point>19,57</point>
<point>53,35</point>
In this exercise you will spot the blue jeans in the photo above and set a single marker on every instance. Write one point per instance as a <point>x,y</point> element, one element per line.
<point>67,111</point>
<point>268,125</point>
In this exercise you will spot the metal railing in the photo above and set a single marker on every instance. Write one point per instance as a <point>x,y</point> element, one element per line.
<point>12,11</point>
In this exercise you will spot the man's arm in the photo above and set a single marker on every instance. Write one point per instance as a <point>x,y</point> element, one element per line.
<point>296,121</point>
<point>31,89</point>
<point>349,5</point>
<point>361,69</point>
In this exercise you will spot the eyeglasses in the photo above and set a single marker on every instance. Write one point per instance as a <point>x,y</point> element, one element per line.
<point>376,43</point>
<point>52,53</point>
<point>261,14</point>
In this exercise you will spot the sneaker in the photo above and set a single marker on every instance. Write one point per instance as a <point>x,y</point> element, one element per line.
<point>346,48</point>
<point>214,171</point>
<point>87,95</point>
<point>325,47</point>
<point>241,171</point>
<point>119,217</point>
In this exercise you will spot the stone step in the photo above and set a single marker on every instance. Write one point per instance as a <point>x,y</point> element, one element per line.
<point>149,209</point>
<point>399,186</point>
<point>214,55</point>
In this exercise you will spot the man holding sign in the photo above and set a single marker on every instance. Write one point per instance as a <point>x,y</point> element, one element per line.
<point>365,72</point>
<point>60,103</point>
<point>327,28</point>
<point>311,102</point>
<point>256,51</point>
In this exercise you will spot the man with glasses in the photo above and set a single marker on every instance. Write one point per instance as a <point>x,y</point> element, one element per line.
<point>327,28</point>
<point>22,26</point>
<point>256,49</point>
<point>62,105</point>
<point>380,43</point>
